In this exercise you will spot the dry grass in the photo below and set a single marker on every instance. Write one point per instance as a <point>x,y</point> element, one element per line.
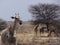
<point>26,36</point>
<point>30,39</point>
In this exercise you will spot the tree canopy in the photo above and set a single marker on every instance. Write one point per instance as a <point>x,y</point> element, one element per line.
<point>45,13</point>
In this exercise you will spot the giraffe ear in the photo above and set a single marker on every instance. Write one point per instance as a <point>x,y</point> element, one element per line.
<point>12,17</point>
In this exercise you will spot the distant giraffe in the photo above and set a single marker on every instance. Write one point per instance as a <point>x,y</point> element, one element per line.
<point>7,36</point>
<point>39,27</point>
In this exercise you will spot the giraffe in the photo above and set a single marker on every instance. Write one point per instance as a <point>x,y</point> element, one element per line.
<point>7,36</point>
<point>40,28</point>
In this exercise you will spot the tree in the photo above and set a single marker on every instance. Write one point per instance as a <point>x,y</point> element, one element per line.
<point>45,13</point>
<point>3,24</point>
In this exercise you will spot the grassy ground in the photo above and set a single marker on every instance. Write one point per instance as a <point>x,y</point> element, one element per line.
<point>30,39</point>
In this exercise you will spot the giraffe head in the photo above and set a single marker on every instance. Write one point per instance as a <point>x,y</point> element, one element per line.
<point>17,18</point>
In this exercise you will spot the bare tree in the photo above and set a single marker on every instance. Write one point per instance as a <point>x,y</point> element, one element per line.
<point>45,13</point>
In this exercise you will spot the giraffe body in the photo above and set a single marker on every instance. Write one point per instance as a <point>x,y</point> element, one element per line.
<point>5,36</point>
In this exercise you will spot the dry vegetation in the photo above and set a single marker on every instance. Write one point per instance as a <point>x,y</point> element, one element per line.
<point>26,36</point>
<point>30,39</point>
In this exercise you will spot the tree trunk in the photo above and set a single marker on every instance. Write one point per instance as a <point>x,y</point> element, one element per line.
<point>48,29</point>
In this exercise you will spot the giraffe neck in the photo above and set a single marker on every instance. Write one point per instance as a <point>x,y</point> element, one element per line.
<point>14,25</point>
<point>11,32</point>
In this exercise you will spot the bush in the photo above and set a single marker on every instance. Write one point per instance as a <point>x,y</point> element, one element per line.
<point>3,24</point>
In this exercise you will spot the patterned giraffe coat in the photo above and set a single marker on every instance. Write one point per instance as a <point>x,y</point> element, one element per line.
<point>5,36</point>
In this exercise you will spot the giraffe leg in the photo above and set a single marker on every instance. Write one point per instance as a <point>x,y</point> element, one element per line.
<point>35,32</point>
<point>49,33</point>
<point>15,42</point>
<point>40,32</point>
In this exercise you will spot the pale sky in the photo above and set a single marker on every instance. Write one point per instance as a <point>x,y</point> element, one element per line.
<point>8,8</point>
